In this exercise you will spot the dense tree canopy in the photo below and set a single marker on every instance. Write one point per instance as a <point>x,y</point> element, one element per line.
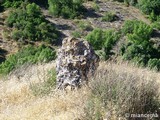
<point>66,8</point>
<point>17,3</point>
<point>148,6</point>
<point>29,23</point>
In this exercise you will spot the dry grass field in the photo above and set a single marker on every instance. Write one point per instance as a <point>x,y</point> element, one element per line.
<point>28,93</point>
<point>17,101</point>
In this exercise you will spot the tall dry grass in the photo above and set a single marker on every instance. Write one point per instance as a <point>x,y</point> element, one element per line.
<point>18,100</point>
<point>112,92</point>
<point>120,89</point>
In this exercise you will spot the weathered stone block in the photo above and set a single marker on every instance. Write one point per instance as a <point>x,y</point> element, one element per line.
<point>76,63</point>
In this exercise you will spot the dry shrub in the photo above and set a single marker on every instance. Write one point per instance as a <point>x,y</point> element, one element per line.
<point>113,94</point>
<point>46,87</point>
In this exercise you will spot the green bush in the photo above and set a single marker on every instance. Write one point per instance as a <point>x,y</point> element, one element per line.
<point>28,54</point>
<point>66,8</point>
<point>109,17</point>
<point>77,34</point>
<point>138,27</point>
<point>12,3</point>
<point>96,7</point>
<point>137,32</point>
<point>154,64</point>
<point>30,24</point>
<point>153,17</point>
<point>138,47</point>
<point>18,3</point>
<point>156,25</point>
<point>111,37</point>
<point>82,28</point>
<point>103,40</point>
<point>128,26</point>
<point>96,38</point>
<point>84,25</point>
<point>149,6</point>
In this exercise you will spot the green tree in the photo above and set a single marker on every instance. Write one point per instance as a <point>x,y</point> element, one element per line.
<point>30,24</point>
<point>139,48</point>
<point>29,54</point>
<point>149,6</point>
<point>103,41</point>
<point>18,3</point>
<point>12,3</point>
<point>66,8</point>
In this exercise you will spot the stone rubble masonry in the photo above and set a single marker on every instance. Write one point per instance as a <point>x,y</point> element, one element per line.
<point>76,63</point>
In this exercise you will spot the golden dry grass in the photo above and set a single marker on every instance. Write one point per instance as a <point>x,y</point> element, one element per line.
<point>123,88</point>
<point>60,106</point>
<point>17,101</point>
<point>124,67</point>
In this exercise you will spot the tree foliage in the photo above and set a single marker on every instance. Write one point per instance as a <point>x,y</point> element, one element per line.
<point>29,23</point>
<point>66,8</point>
<point>12,3</point>
<point>109,17</point>
<point>17,3</point>
<point>103,40</point>
<point>149,6</point>
<point>139,48</point>
<point>29,54</point>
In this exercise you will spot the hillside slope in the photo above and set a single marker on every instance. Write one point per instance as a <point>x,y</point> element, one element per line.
<point>93,17</point>
<point>18,98</point>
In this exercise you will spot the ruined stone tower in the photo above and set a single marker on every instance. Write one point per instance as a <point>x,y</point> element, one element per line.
<point>76,62</point>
